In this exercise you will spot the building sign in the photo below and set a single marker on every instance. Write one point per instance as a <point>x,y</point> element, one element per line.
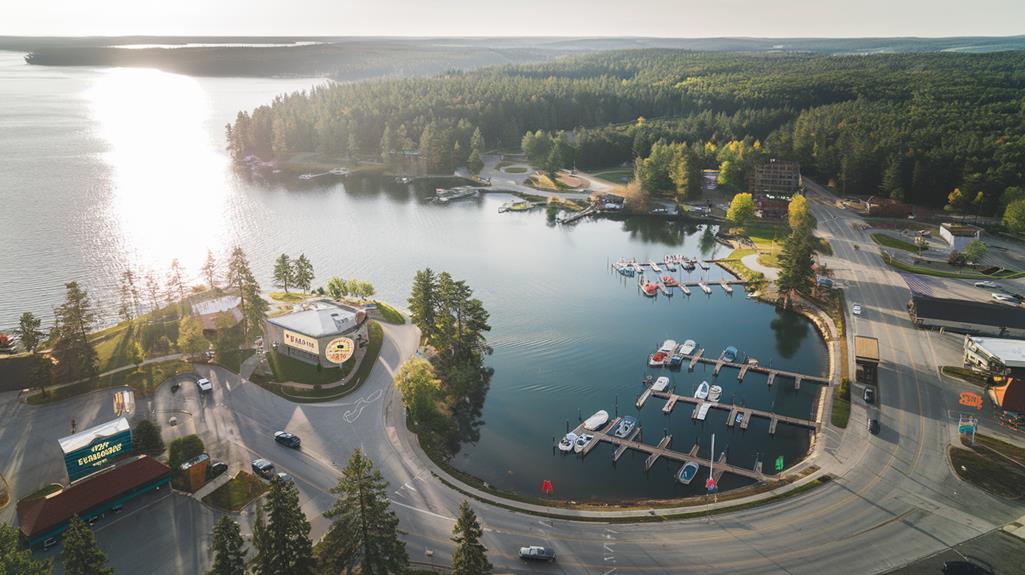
<point>300,341</point>
<point>339,350</point>
<point>97,454</point>
<point>970,399</point>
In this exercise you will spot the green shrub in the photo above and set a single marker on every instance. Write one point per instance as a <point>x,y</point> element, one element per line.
<point>184,449</point>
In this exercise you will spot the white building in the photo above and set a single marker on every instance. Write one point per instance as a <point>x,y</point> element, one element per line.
<point>993,355</point>
<point>959,235</point>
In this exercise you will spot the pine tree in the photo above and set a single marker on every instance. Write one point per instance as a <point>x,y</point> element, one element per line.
<point>363,536</point>
<point>81,554</point>
<point>17,561</point>
<point>75,355</point>
<point>302,274</point>
<point>796,262</point>
<point>176,283</point>
<point>153,291</point>
<point>209,270</point>
<point>471,556</point>
<point>422,302</point>
<point>256,308</point>
<point>228,549</point>
<point>240,277</point>
<point>474,164</point>
<point>129,296</point>
<point>387,145</point>
<point>28,331</point>
<point>283,546</point>
<point>284,273</point>
<point>477,141</point>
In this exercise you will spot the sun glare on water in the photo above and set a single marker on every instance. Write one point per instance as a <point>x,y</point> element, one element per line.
<point>168,181</point>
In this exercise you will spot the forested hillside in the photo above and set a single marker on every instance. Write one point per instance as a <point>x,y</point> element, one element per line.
<point>912,126</point>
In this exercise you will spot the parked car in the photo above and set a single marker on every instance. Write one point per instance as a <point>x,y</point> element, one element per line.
<point>216,468</point>
<point>284,477</point>
<point>856,309</point>
<point>1004,298</point>
<point>870,395</point>
<point>175,386</point>
<point>964,568</point>
<point>287,439</point>
<point>873,426</point>
<point>263,468</point>
<point>537,553</point>
<point>986,284</point>
<point>204,385</point>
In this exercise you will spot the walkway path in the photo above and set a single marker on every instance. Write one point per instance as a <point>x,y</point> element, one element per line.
<point>152,360</point>
<point>751,261</point>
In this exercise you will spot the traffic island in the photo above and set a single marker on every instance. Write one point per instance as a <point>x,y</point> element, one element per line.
<point>992,465</point>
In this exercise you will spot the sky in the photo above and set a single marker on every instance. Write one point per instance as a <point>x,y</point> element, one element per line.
<point>663,18</point>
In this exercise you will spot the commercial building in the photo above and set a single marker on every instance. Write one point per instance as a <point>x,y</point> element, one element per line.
<point>42,520</point>
<point>959,235</point>
<point>771,208</point>
<point>323,332</point>
<point>96,448</point>
<point>866,359</point>
<point>776,178</point>
<point>886,207</point>
<point>711,179</point>
<point>209,311</point>
<point>995,356</point>
<point>965,316</point>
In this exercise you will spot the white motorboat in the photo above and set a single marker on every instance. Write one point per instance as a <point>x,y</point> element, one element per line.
<point>625,427</point>
<point>702,391</point>
<point>687,473</point>
<point>668,346</point>
<point>661,384</point>
<point>597,420</point>
<point>688,347</point>
<point>581,442</point>
<point>566,444</point>
<point>714,393</point>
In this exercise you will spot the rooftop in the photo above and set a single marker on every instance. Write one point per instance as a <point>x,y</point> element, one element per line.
<point>1010,351</point>
<point>87,436</point>
<point>216,305</point>
<point>38,515</point>
<point>866,348</point>
<point>969,312</point>
<point>960,229</point>
<point>321,318</point>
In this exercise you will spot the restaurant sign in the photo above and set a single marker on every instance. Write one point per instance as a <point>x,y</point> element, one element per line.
<point>300,341</point>
<point>339,350</point>
<point>98,454</point>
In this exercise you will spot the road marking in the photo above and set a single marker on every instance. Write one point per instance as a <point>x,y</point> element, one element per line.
<point>400,504</point>
<point>351,415</point>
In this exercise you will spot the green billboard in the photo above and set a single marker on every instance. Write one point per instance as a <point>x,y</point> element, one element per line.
<point>93,449</point>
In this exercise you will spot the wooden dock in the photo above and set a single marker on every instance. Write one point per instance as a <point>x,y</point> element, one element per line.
<point>743,371</point>
<point>774,418</point>
<point>694,359</point>
<point>620,450</point>
<point>747,367</point>
<point>657,452</point>
<point>718,364</point>
<point>643,398</point>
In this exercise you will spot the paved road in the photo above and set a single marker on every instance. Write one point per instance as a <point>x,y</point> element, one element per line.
<point>893,500</point>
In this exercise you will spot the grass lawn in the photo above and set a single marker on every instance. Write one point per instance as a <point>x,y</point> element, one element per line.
<point>143,382</point>
<point>287,297</point>
<point>615,175</point>
<point>1003,274</point>
<point>892,242</point>
<point>390,314</point>
<point>515,170</point>
<point>771,259</point>
<point>841,413</point>
<point>1006,449</point>
<point>232,361</point>
<point>237,492</point>
<point>964,374</point>
<point>541,181</point>
<point>989,472</point>
<point>288,369</point>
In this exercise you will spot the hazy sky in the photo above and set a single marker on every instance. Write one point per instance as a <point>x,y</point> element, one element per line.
<point>681,18</point>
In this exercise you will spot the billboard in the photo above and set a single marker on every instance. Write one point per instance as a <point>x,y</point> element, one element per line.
<point>300,341</point>
<point>339,350</point>
<point>93,449</point>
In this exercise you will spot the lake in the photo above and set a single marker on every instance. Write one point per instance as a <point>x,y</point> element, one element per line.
<point>111,169</point>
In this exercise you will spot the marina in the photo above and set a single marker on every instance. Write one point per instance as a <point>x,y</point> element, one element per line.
<point>744,368</point>
<point>702,406</point>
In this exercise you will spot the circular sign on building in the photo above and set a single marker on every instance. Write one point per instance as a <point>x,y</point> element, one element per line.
<point>339,350</point>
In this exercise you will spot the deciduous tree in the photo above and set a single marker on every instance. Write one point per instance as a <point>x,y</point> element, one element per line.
<point>974,251</point>
<point>741,210</point>
<point>28,331</point>
<point>191,340</point>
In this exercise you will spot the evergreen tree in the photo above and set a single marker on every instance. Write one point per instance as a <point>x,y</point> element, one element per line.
<point>686,174</point>
<point>893,179</point>
<point>284,548</point>
<point>474,164</point>
<point>240,277</point>
<point>256,308</point>
<point>17,561</point>
<point>363,537</point>
<point>28,331</point>
<point>75,355</point>
<point>553,163</point>
<point>228,549</point>
<point>81,554</point>
<point>284,273</point>
<point>146,437</point>
<point>422,302</point>
<point>153,291</point>
<point>477,142</point>
<point>387,145</point>
<point>471,556</point>
<point>209,270</point>
<point>303,273</point>
<point>796,262</point>
<point>176,283</point>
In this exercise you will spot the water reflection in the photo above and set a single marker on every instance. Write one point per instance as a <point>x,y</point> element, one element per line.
<point>790,330</point>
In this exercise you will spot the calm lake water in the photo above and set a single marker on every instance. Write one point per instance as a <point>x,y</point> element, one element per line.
<point>110,169</point>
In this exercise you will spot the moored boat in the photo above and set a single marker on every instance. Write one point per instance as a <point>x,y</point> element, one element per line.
<point>730,354</point>
<point>670,281</point>
<point>702,390</point>
<point>669,264</point>
<point>687,473</point>
<point>654,266</point>
<point>668,346</point>
<point>661,384</point>
<point>657,359</point>
<point>703,265</point>
<point>714,393</point>
<point>581,442</point>
<point>649,289</point>
<point>625,427</point>
<point>704,287</point>
<point>688,347</point>
<point>624,268</point>
<point>566,444</point>
<point>677,359</point>
<point>688,265</point>
<point>597,420</point>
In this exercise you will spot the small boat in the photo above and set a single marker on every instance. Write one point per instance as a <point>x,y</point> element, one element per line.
<point>730,354</point>
<point>339,172</point>
<point>444,196</point>
<point>726,287</point>
<point>668,346</point>
<point>688,265</point>
<point>566,444</point>
<point>740,417</point>
<point>403,179</point>
<point>654,266</point>
<point>704,287</point>
<point>714,393</point>
<point>702,391</point>
<point>597,420</point>
<point>670,281</point>
<point>685,289</point>
<point>581,442</point>
<point>625,269</point>
<point>661,384</point>
<point>650,289</point>
<point>657,359</point>
<point>687,473</point>
<point>666,291</point>
<point>637,268</point>
<point>688,347</point>
<point>307,176</point>
<point>625,427</point>
<point>703,265</point>
<point>676,360</point>
<point>668,264</point>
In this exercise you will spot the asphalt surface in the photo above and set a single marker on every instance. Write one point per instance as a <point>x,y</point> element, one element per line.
<point>894,499</point>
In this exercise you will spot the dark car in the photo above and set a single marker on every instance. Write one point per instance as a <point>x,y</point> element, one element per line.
<point>287,439</point>
<point>870,395</point>
<point>216,468</point>
<point>964,568</point>
<point>176,386</point>
<point>263,468</point>
<point>873,426</point>
<point>537,553</point>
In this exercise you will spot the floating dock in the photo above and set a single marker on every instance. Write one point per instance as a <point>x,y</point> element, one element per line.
<point>702,406</point>
<point>747,367</point>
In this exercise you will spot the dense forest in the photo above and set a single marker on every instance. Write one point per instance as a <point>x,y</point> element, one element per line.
<point>910,126</point>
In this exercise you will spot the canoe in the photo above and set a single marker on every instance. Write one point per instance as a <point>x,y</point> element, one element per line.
<point>702,391</point>
<point>687,473</point>
<point>597,420</point>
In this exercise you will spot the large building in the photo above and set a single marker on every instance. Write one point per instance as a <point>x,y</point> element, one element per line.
<point>965,316</point>
<point>995,356</point>
<point>323,332</point>
<point>959,235</point>
<point>776,179</point>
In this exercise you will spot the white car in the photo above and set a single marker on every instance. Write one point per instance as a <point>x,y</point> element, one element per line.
<point>856,309</point>
<point>204,385</point>
<point>1002,297</point>
<point>986,284</point>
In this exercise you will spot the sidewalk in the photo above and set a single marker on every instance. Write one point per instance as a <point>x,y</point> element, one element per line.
<point>173,356</point>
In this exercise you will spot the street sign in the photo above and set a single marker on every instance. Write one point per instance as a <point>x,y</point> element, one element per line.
<point>970,399</point>
<point>966,429</point>
<point>779,463</point>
